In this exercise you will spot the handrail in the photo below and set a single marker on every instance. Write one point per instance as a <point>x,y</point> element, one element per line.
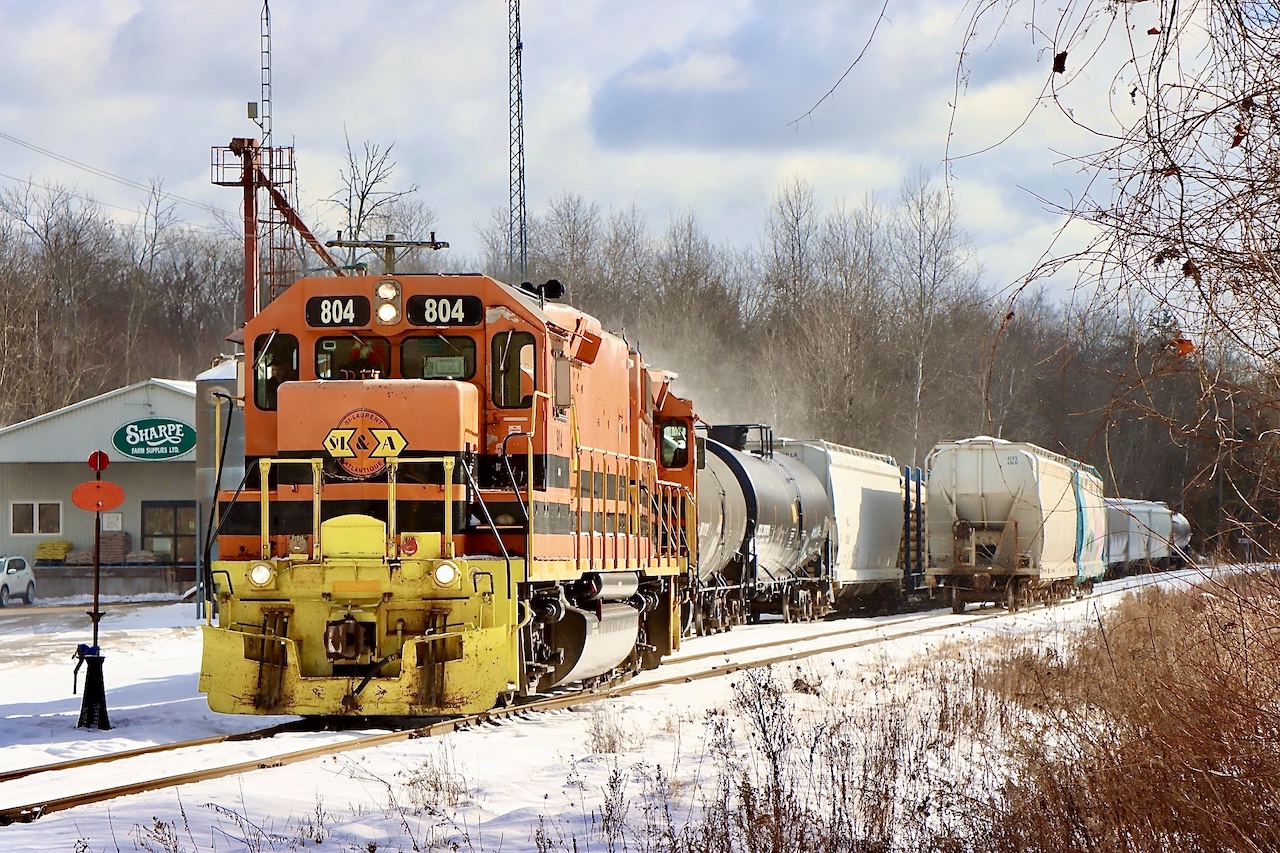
<point>394,462</point>
<point>317,485</point>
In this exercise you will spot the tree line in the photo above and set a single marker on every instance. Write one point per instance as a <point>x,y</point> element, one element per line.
<point>865,324</point>
<point>88,304</point>
<point>871,325</point>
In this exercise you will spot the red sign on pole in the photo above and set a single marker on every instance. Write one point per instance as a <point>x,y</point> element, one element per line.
<point>97,495</point>
<point>98,461</point>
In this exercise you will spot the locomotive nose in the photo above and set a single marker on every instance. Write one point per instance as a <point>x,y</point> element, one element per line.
<point>361,423</point>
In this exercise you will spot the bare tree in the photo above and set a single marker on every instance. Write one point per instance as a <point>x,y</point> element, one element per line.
<point>366,199</point>
<point>565,244</point>
<point>932,263</point>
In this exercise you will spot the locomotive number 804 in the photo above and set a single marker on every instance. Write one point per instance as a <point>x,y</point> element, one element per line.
<point>453,496</point>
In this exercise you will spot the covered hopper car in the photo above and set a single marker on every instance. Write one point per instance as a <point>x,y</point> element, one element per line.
<point>1011,522</point>
<point>1144,536</point>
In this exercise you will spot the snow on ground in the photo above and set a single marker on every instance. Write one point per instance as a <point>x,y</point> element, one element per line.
<point>499,786</point>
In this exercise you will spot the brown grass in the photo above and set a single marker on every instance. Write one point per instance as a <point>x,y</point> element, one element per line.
<point>1153,728</point>
<point>1159,731</point>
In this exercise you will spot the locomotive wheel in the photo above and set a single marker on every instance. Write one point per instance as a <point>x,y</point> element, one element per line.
<point>957,602</point>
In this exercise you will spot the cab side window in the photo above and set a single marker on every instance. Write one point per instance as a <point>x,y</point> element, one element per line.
<point>674,451</point>
<point>514,370</point>
<point>275,361</point>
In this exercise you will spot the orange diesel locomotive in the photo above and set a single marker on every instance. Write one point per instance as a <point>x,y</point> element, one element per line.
<point>456,492</point>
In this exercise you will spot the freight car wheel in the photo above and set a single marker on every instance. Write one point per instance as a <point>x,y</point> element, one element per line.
<point>957,602</point>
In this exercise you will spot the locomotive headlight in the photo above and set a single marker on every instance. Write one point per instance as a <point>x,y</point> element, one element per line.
<point>262,574</point>
<point>387,300</point>
<point>445,574</point>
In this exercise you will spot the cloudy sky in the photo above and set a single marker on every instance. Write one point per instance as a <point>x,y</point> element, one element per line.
<point>670,104</point>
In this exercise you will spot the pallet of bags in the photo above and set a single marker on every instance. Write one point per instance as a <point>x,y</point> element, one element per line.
<point>115,545</point>
<point>52,551</point>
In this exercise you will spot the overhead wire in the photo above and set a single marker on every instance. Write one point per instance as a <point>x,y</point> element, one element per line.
<point>103,173</point>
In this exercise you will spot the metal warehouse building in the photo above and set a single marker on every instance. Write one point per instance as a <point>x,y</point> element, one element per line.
<point>150,541</point>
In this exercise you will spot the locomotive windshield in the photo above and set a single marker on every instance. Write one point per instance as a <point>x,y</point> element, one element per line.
<point>352,357</point>
<point>438,357</point>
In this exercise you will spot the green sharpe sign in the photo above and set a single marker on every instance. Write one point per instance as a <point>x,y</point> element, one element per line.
<point>154,438</point>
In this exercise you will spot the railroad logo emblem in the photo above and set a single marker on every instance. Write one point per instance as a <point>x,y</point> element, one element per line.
<point>363,441</point>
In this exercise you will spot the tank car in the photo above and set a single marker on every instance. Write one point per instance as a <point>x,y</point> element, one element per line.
<point>764,521</point>
<point>1011,522</point>
<point>867,493</point>
<point>455,491</point>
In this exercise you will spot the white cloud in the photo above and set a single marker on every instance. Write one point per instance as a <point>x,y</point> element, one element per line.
<point>676,104</point>
<point>697,72</point>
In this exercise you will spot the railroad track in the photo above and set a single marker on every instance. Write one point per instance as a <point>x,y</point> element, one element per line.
<point>880,632</point>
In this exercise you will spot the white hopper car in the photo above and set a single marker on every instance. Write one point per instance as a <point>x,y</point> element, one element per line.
<point>866,494</point>
<point>1011,522</point>
<point>1144,536</point>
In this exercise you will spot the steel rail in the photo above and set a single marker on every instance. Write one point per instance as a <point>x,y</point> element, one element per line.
<point>33,811</point>
<point>90,760</point>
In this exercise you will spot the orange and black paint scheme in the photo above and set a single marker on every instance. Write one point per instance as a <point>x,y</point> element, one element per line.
<point>458,492</point>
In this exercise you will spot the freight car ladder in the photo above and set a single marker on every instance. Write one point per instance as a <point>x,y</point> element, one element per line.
<point>912,553</point>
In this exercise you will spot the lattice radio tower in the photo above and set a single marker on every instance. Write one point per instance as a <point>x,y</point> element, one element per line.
<point>282,253</point>
<point>271,229</point>
<point>517,241</point>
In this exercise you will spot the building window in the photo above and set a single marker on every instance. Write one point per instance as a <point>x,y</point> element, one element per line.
<point>169,530</point>
<point>27,518</point>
